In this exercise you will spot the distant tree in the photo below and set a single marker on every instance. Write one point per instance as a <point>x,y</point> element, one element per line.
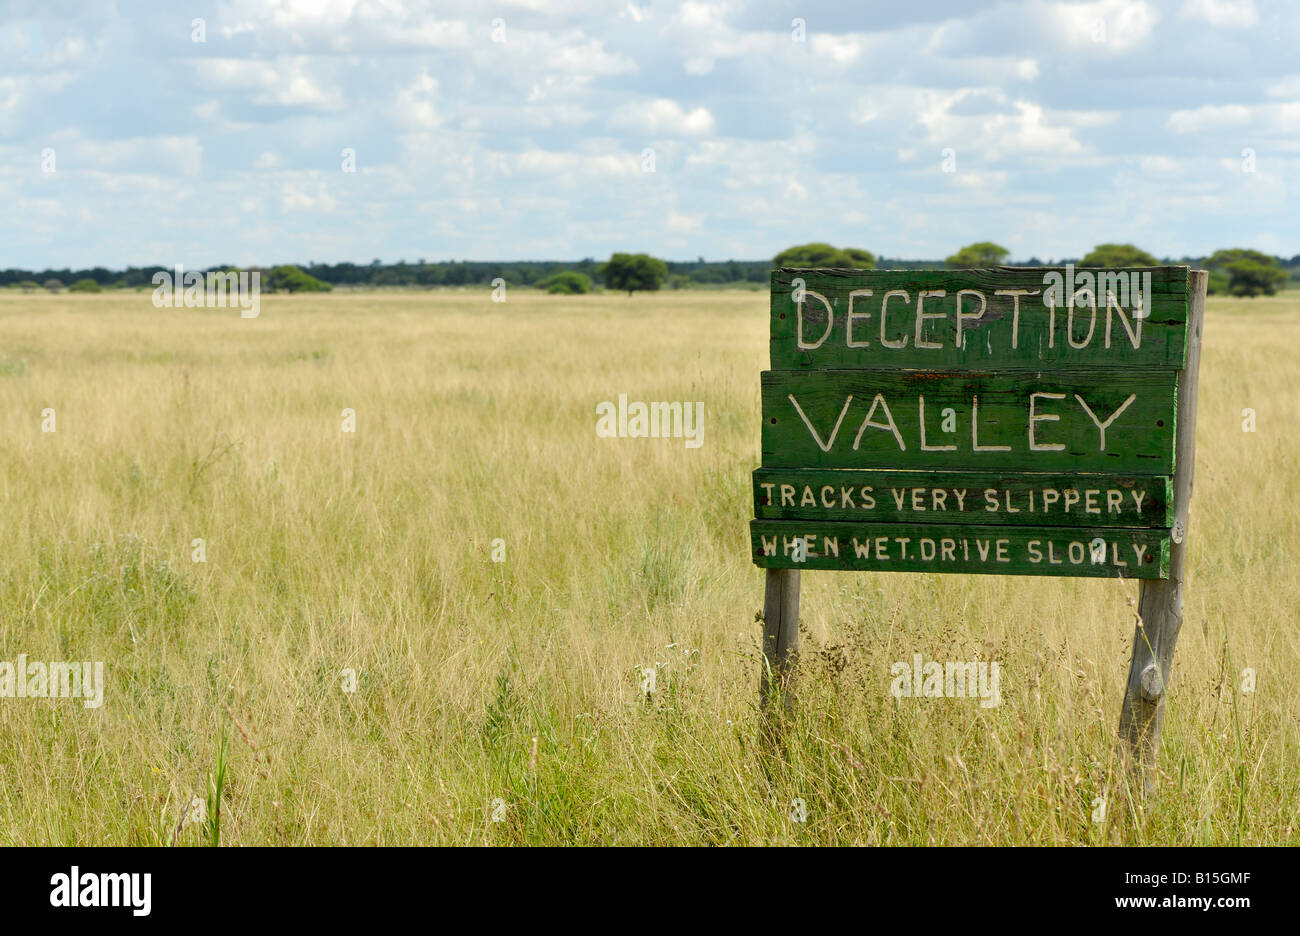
<point>826,256</point>
<point>29,285</point>
<point>1221,258</point>
<point>566,282</point>
<point>1249,272</point>
<point>634,271</point>
<point>54,285</point>
<point>1218,284</point>
<point>1251,278</point>
<point>983,254</point>
<point>388,277</point>
<point>85,286</point>
<point>1118,255</point>
<point>288,278</point>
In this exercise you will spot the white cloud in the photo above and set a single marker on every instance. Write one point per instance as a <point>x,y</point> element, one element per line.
<point>532,147</point>
<point>576,54</point>
<point>703,37</point>
<point>842,50</point>
<point>1107,26</point>
<point>980,181</point>
<point>637,14</point>
<point>1026,130</point>
<point>1288,87</point>
<point>414,107</point>
<point>1209,117</point>
<point>1224,14</point>
<point>206,110</point>
<point>1018,128</point>
<point>9,93</point>
<point>297,198</point>
<point>662,117</point>
<point>284,82</point>
<point>684,224</point>
<point>865,112</point>
<point>701,16</point>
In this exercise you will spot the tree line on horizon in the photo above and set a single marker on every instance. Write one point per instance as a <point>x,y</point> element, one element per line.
<point>1234,271</point>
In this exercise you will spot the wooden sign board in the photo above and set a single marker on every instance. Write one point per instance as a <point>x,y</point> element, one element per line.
<point>1035,317</point>
<point>1014,420</point>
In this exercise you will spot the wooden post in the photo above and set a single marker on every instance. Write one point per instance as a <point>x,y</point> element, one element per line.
<point>1160,601</point>
<point>780,632</point>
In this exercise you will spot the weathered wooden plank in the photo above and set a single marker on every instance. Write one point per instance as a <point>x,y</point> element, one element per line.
<point>1074,500</point>
<point>937,547</point>
<point>1095,420</point>
<point>1006,319</point>
<point>1160,604</point>
<point>780,634</point>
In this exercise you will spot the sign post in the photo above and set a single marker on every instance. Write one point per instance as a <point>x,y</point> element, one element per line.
<point>1160,602</point>
<point>1013,421</point>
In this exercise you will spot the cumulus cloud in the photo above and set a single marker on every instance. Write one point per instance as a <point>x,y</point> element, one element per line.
<point>285,82</point>
<point>414,106</point>
<point>1224,14</point>
<point>1209,117</point>
<point>528,137</point>
<point>1108,26</point>
<point>662,117</point>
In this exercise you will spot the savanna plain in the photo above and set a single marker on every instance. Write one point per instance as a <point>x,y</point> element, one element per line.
<point>502,702</point>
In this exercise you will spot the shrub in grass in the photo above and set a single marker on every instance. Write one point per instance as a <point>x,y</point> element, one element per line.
<point>566,282</point>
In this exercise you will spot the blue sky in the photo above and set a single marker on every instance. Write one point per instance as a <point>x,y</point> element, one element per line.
<point>521,130</point>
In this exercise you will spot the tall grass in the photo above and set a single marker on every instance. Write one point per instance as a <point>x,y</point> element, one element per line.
<point>372,551</point>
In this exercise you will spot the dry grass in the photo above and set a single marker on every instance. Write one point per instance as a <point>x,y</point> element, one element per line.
<point>372,550</point>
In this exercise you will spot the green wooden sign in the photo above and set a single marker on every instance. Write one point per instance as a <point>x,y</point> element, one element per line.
<point>1077,500</point>
<point>1012,420</point>
<point>1081,419</point>
<point>930,547</point>
<point>979,319</point>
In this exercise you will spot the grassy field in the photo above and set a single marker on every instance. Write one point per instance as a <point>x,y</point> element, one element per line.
<point>513,690</point>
